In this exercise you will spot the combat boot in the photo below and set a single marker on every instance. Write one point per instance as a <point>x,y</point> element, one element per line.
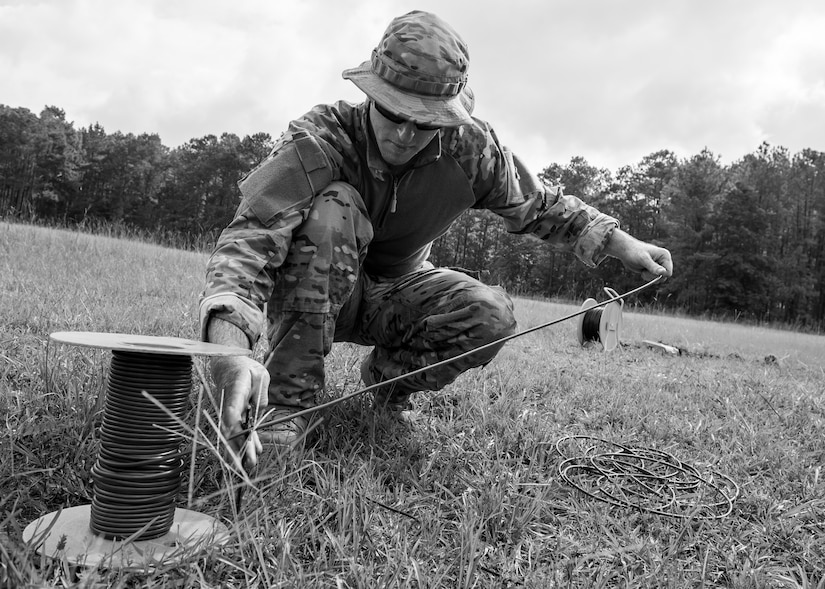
<point>288,433</point>
<point>398,404</point>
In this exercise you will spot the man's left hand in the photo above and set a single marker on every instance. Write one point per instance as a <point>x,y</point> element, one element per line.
<point>649,260</point>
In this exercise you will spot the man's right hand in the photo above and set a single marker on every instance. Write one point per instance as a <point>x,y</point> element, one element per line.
<point>243,384</point>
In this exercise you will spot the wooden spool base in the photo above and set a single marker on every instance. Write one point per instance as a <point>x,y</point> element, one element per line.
<point>66,534</point>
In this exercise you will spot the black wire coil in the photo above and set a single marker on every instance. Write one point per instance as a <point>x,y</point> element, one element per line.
<point>645,479</point>
<point>590,325</point>
<point>137,475</point>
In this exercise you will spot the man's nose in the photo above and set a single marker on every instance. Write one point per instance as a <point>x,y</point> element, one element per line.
<point>406,131</point>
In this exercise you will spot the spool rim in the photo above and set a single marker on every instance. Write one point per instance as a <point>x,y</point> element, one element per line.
<point>149,344</point>
<point>610,338</point>
<point>586,305</point>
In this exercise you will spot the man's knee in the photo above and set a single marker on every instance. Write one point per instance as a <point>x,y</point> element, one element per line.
<point>492,319</point>
<point>490,310</point>
<point>339,210</point>
<point>336,232</point>
<point>493,309</point>
<point>326,253</point>
<point>465,309</point>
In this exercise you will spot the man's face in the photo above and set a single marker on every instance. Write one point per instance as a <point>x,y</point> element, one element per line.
<point>398,139</point>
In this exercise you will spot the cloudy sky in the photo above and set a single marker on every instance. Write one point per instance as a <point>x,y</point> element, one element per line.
<point>609,80</point>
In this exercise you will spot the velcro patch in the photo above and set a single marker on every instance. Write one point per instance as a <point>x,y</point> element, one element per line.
<point>295,171</point>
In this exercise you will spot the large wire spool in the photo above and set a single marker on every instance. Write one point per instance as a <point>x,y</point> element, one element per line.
<point>601,325</point>
<point>132,521</point>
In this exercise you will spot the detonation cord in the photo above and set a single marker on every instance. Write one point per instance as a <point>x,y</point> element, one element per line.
<point>264,423</point>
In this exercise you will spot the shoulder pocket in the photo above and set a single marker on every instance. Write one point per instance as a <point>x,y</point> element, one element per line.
<point>295,171</point>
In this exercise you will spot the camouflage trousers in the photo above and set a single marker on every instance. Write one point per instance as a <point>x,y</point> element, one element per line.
<point>322,295</point>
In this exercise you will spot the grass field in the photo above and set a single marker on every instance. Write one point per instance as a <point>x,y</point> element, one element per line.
<point>471,497</point>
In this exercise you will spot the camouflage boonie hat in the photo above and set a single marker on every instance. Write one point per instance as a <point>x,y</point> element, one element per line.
<point>419,70</point>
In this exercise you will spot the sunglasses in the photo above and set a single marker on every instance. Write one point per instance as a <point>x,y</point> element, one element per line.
<point>398,120</point>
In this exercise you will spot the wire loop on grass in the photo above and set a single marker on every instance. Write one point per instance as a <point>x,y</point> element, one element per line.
<point>646,479</point>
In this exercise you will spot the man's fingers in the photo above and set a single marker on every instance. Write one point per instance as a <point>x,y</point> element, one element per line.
<point>242,449</point>
<point>259,388</point>
<point>234,438</point>
<point>651,275</point>
<point>236,399</point>
<point>656,262</point>
<point>662,258</point>
<point>668,266</point>
<point>655,271</point>
<point>245,389</point>
<point>251,451</point>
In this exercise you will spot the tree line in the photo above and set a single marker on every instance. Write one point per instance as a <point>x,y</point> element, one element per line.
<point>748,238</point>
<point>52,172</point>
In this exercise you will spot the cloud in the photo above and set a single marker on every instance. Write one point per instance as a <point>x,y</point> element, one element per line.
<point>609,81</point>
<point>618,82</point>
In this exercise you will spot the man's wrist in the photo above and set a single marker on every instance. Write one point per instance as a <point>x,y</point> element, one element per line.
<point>618,244</point>
<point>223,332</point>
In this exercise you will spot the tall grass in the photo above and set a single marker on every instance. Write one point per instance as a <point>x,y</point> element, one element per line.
<point>469,497</point>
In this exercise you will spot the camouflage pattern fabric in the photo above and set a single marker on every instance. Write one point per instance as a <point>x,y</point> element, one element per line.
<point>419,70</point>
<point>318,276</point>
<point>288,231</point>
<point>430,315</point>
<point>322,295</point>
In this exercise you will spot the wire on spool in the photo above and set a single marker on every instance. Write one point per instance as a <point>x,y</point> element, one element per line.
<point>137,475</point>
<point>601,325</point>
<point>590,325</point>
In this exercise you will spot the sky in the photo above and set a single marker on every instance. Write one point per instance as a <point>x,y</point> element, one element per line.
<point>611,81</point>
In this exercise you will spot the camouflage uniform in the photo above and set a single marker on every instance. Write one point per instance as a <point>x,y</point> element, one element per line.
<point>336,244</point>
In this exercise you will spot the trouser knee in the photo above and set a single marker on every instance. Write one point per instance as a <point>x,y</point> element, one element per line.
<point>326,252</point>
<point>492,311</point>
<point>317,277</point>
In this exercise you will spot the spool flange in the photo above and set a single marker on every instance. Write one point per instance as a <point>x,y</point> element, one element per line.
<point>67,534</point>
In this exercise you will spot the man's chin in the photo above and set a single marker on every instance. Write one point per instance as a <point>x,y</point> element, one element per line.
<point>397,157</point>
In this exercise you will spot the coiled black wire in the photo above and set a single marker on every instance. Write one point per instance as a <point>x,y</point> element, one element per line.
<point>590,325</point>
<point>137,475</point>
<point>645,479</point>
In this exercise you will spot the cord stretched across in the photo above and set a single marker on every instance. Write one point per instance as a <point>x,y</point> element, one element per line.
<point>499,341</point>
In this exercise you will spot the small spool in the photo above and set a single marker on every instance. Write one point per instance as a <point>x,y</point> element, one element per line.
<point>123,527</point>
<point>601,325</point>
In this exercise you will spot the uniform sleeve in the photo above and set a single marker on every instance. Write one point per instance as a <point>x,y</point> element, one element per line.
<point>277,196</point>
<point>527,205</point>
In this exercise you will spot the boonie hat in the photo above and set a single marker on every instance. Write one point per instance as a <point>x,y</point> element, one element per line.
<point>419,70</point>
